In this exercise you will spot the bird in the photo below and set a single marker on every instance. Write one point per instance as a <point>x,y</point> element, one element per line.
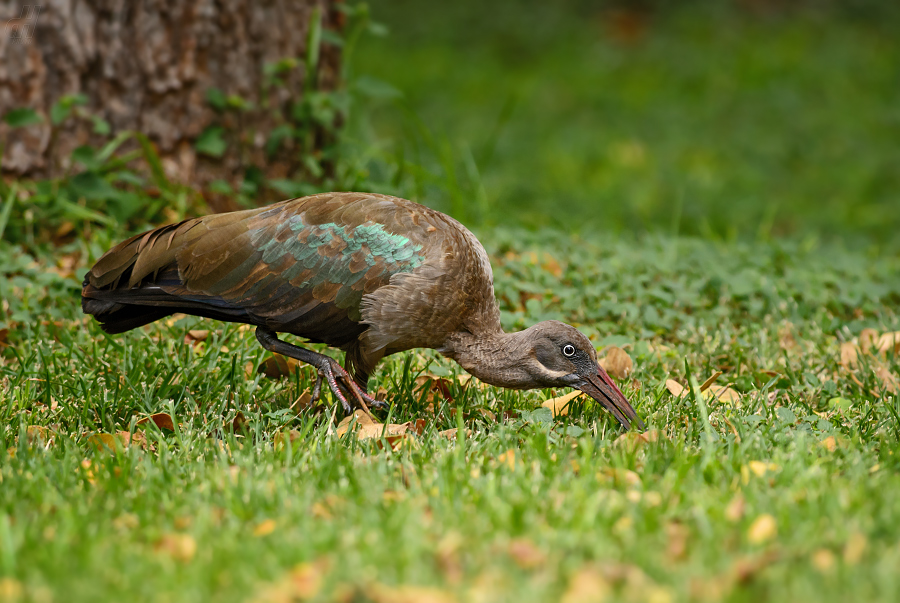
<point>369,274</point>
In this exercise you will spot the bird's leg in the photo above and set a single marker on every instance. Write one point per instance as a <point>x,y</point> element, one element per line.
<point>327,369</point>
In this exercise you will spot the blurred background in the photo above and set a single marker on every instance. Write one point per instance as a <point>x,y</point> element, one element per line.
<point>753,118</point>
<point>737,120</point>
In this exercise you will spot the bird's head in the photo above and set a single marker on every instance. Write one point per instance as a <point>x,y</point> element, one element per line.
<point>561,356</point>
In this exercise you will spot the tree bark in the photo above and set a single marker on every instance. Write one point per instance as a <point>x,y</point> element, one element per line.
<point>147,66</point>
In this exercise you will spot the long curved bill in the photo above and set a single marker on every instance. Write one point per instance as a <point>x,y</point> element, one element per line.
<point>602,389</point>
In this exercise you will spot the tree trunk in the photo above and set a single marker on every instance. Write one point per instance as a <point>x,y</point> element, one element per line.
<point>148,66</point>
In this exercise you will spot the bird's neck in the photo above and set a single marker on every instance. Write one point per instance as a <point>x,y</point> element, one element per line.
<point>491,355</point>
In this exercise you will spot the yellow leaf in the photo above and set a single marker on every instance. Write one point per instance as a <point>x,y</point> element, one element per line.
<point>763,529</point>
<point>560,406</point>
<point>264,528</point>
<point>101,440</point>
<point>822,560</point>
<point>855,548</point>
<point>724,394</point>
<point>617,362</point>
<point>508,458</point>
<point>587,585</point>
<point>830,443</point>
<point>11,590</point>
<point>181,547</point>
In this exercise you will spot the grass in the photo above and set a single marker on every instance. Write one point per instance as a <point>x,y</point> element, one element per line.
<point>555,142</point>
<point>723,123</point>
<point>527,507</point>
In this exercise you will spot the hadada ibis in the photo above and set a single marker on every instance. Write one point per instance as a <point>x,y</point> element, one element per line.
<point>370,274</point>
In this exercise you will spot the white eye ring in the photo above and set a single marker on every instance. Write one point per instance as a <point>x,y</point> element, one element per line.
<point>568,350</point>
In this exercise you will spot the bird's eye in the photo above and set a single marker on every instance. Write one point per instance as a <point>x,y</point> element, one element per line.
<point>569,350</point>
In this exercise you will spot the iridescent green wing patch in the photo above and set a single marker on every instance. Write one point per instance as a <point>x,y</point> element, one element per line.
<point>336,263</point>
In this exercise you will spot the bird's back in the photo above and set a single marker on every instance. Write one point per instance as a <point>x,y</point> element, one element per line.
<point>368,273</point>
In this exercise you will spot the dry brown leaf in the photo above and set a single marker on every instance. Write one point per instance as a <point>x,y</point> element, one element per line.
<point>278,367</point>
<point>889,343</point>
<point>675,388</point>
<point>888,379</point>
<point>560,406</point>
<point>525,553</point>
<point>617,362</point>
<point>708,383</point>
<point>4,338</point>
<point>849,355</point>
<point>278,441</point>
<point>181,547</point>
<point>867,339</point>
<point>161,419</point>
<point>39,435</point>
<point>450,434</point>
<point>434,386</point>
<point>195,337</point>
<point>264,528</point>
<point>763,529</point>
<point>587,585</point>
<point>366,428</point>
<point>101,440</point>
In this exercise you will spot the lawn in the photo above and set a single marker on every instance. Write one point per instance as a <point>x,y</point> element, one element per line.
<point>181,462</point>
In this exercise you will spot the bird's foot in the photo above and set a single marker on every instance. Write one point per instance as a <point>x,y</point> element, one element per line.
<point>339,381</point>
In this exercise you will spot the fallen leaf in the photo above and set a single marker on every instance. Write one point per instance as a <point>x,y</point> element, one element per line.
<point>278,440</point>
<point>735,509</point>
<point>763,529</point>
<point>560,406</point>
<point>708,383</point>
<point>855,548</point>
<point>678,535</point>
<point>632,440</point>
<point>101,440</point>
<point>306,579</point>
<point>181,547</point>
<point>508,458</point>
<point>450,434</point>
<point>379,593</point>
<point>887,378</point>
<point>366,428</point>
<point>525,553</point>
<point>278,366</point>
<point>587,585</point>
<point>617,362</point>
<point>38,435</point>
<point>823,560</point>
<point>4,335</point>
<point>867,339</point>
<point>434,386</point>
<point>161,419</point>
<point>264,528</point>
<point>195,337</point>
<point>889,342</point>
<point>830,443</point>
<point>11,590</point>
<point>675,388</point>
<point>723,394</point>
<point>849,355</point>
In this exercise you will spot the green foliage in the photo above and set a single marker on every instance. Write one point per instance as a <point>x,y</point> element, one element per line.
<point>180,516</point>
